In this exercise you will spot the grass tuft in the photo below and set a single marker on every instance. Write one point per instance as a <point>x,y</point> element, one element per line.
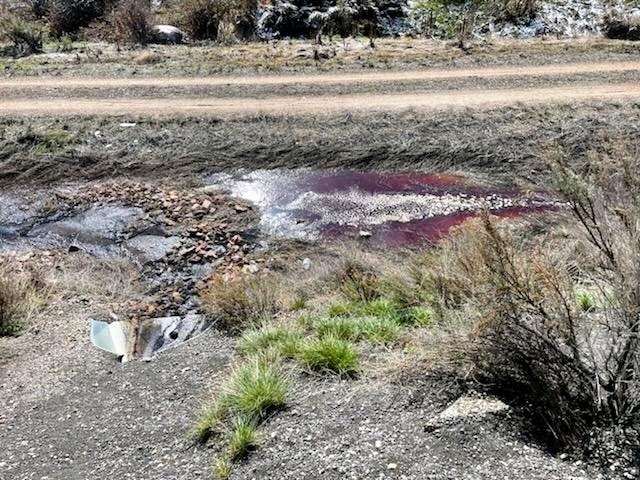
<point>299,303</point>
<point>330,354</point>
<point>371,329</point>
<point>244,438</point>
<point>255,389</point>
<point>585,301</point>
<point>20,296</point>
<point>206,424</point>
<point>358,281</point>
<point>222,469</point>
<point>419,316</point>
<point>284,340</point>
<point>241,302</point>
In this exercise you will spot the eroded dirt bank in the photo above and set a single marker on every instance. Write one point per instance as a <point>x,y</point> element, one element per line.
<point>503,144</point>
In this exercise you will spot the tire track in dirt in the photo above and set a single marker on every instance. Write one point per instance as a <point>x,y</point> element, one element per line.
<point>291,105</point>
<point>321,79</point>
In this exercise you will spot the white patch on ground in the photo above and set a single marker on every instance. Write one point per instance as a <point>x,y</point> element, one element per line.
<point>360,208</point>
<point>467,406</point>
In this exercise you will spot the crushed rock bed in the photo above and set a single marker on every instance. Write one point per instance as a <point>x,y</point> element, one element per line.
<point>376,430</point>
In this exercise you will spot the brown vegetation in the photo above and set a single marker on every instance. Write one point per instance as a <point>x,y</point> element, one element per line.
<point>20,294</point>
<point>132,21</point>
<point>532,338</point>
<point>241,302</point>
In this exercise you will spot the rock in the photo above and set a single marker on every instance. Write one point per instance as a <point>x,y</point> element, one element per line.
<point>306,263</point>
<point>167,34</point>
<point>151,248</point>
<point>251,268</point>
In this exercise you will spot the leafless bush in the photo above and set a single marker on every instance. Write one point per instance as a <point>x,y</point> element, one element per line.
<point>209,19</point>
<point>131,21</point>
<point>578,368</point>
<point>68,16</point>
<point>516,11</point>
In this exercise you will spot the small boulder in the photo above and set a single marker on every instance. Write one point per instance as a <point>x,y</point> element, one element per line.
<point>167,34</point>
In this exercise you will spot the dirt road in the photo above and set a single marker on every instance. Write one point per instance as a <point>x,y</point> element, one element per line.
<point>324,79</point>
<point>38,101</point>
<point>315,104</point>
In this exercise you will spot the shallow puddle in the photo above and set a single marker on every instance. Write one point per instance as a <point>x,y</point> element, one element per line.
<point>395,209</point>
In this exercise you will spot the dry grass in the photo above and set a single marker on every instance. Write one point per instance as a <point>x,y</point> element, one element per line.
<point>100,59</point>
<point>21,294</point>
<point>148,58</point>
<point>241,302</point>
<point>500,143</point>
<point>82,275</point>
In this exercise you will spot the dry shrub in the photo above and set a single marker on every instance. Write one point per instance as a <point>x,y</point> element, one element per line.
<point>25,37</point>
<point>20,295</point>
<point>622,27</point>
<point>147,58</point>
<point>131,21</point>
<point>241,302</point>
<point>68,16</point>
<point>357,280</point>
<point>531,339</point>
<point>200,18</point>
<point>515,11</point>
<point>211,19</point>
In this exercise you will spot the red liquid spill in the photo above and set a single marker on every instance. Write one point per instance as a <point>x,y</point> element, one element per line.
<point>423,231</point>
<point>376,182</point>
<point>281,189</point>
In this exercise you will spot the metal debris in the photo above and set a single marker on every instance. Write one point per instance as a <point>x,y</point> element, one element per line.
<point>112,337</point>
<point>144,339</point>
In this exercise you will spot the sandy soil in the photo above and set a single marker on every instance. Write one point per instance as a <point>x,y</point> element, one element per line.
<point>317,104</point>
<point>37,101</point>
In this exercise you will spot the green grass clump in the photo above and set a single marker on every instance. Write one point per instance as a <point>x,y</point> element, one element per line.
<point>371,329</point>
<point>342,310</point>
<point>419,316</point>
<point>285,340</point>
<point>299,303</point>
<point>379,330</point>
<point>330,354</point>
<point>585,301</point>
<point>208,421</point>
<point>255,389</point>
<point>222,469</point>
<point>381,307</point>
<point>244,438</point>
<point>338,327</point>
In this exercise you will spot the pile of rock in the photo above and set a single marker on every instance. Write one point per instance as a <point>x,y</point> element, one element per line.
<point>187,236</point>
